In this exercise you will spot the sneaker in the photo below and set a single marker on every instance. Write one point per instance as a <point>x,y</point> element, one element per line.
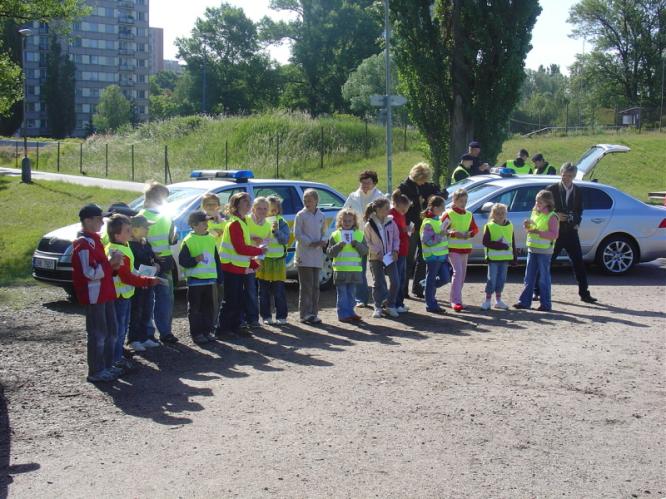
<point>347,320</point>
<point>126,365</point>
<point>100,377</point>
<point>457,307</point>
<point>402,309</point>
<point>536,297</point>
<point>544,309</point>
<point>357,318</point>
<point>501,305</point>
<point>377,314</point>
<point>485,305</point>
<point>210,337</point>
<point>114,372</point>
<point>438,310</point>
<point>137,346</point>
<point>588,298</point>
<point>200,339</point>
<point>169,338</point>
<point>307,320</point>
<point>150,343</point>
<point>315,319</point>
<point>244,325</point>
<point>360,304</point>
<point>422,283</point>
<point>253,324</point>
<point>520,306</point>
<point>281,322</point>
<point>392,312</point>
<point>269,321</point>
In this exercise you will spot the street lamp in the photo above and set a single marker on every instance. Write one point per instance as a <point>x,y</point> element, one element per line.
<point>26,173</point>
<point>661,107</point>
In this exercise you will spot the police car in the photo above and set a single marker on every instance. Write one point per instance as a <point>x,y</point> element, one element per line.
<point>51,261</point>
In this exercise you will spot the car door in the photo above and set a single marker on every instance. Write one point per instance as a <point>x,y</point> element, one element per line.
<point>597,213</point>
<point>481,218</point>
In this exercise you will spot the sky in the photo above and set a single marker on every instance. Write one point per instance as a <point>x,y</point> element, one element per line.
<point>550,41</point>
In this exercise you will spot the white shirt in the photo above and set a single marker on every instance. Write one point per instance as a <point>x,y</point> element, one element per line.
<point>358,201</point>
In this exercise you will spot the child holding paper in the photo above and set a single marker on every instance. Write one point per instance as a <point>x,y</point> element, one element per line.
<point>260,234</point>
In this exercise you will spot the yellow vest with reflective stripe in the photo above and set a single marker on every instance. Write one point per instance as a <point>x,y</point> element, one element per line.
<point>541,224</point>
<point>521,170</point>
<point>158,233</point>
<point>201,245</point>
<point>349,259</point>
<point>217,227</point>
<point>228,253</point>
<point>439,249</point>
<point>503,233</point>
<point>459,223</point>
<point>275,249</point>
<point>123,290</point>
<point>459,168</point>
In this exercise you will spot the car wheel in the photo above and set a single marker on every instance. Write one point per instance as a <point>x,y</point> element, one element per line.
<point>617,254</point>
<point>326,274</point>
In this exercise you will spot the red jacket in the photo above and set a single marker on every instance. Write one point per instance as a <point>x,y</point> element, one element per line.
<point>401,221</point>
<point>236,233</point>
<point>91,270</point>
<point>127,277</point>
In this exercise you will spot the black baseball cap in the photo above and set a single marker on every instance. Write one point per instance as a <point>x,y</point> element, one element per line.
<point>196,217</point>
<point>475,145</point>
<point>141,221</point>
<point>90,211</point>
<point>467,157</point>
<point>537,157</point>
<point>121,208</point>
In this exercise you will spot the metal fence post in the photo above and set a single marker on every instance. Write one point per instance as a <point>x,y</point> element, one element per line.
<point>321,150</point>
<point>16,155</point>
<point>106,160</point>
<point>365,142</point>
<point>132,162</point>
<point>37,158</point>
<point>58,159</point>
<point>166,162</point>
<point>277,155</point>
<point>226,154</point>
<point>81,158</point>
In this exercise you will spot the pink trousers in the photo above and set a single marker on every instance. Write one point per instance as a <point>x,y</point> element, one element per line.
<point>459,264</point>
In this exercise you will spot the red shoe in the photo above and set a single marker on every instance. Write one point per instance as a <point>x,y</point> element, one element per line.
<point>458,307</point>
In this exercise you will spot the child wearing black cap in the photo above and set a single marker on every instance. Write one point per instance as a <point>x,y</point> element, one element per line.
<point>201,261</point>
<point>92,274</point>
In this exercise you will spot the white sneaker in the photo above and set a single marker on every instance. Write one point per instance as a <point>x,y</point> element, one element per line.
<point>501,305</point>
<point>150,343</point>
<point>137,346</point>
<point>377,314</point>
<point>403,309</point>
<point>485,305</point>
<point>392,312</point>
<point>281,322</point>
<point>422,282</point>
<point>269,322</point>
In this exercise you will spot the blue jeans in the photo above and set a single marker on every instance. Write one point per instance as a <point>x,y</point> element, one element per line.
<point>538,267</point>
<point>361,291</point>
<point>275,289</point>
<point>437,275</point>
<point>162,307</point>
<point>345,300</point>
<point>380,292</point>
<point>401,265</point>
<point>496,277</point>
<point>122,307</point>
<point>251,306</point>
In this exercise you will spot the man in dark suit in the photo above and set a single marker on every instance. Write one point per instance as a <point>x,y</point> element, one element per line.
<point>569,209</point>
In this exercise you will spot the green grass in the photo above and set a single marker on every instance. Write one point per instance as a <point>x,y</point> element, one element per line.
<point>32,210</point>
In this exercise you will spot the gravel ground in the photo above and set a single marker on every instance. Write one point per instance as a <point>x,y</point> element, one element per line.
<point>479,404</point>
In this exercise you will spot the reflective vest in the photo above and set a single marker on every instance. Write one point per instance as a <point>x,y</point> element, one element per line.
<point>201,245</point>
<point>541,224</point>
<point>349,259</point>
<point>275,249</point>
<point>459,223</point>
<point>500,233</point>
<point>439,249</point>
<point>217,227</point>
<point>264,231</point>
<point>520,170</point>
<point>158,233</point>
<point>123,290</point>
<point>228,253</point>
<point>459,168</point>
<point>546,168</point>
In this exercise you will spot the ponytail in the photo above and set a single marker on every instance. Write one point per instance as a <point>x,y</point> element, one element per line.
<point>372,207</point>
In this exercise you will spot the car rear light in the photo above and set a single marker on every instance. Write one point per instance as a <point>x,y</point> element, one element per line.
<point>662,225</point>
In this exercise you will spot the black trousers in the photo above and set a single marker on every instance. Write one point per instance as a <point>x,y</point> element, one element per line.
<point>416,266</point>
<point>230,313</point>
<point>140,315</point>
<point>568,240</point>
<point>200,309</point>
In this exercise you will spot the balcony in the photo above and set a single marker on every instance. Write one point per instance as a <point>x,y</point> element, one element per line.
<point>126,20</point>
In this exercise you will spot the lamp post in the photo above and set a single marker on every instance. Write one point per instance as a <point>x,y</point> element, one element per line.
<point>661,107</point>
<point>26,173</point>
<point>389,117</point>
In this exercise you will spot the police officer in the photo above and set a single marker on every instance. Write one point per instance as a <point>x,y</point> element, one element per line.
<point>463,170</point>
<point>541,166</point>
<point>479,166</point>
<point>519,165</point>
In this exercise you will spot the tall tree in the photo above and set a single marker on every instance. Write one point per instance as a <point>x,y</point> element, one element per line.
<point>369,78</point>
<point>329,39</point>
<point>59,89</point>
<point>113,110</point>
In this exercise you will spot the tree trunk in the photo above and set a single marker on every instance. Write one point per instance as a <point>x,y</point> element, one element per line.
<point>462,131</point>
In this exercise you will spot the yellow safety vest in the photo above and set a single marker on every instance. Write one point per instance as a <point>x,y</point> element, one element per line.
<point>349,259</point>
<point>217,227</point>
<point>458,169</point>
<point>201,245</point>
<point>123,290</point>
<point>228,254</point>
<point>503,233</point>
<point>541,224</point>
<point>521,170</point>
<point>158,233</point>
<point>439,249</point>
<point>275,249</point>
<point>459,223</point>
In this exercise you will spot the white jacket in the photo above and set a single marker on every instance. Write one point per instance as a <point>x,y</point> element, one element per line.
<point>358,201</point>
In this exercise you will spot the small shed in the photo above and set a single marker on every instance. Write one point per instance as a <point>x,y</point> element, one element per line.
<point>630,116</point>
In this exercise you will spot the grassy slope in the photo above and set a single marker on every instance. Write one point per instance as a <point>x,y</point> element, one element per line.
<point>35,209</point>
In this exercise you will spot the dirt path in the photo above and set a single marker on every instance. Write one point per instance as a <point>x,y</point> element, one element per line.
<point>498,404</point>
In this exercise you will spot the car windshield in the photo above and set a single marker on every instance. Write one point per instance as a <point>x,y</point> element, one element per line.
<point>461,184</point>
<point>479,192</point>
<point>179,197</point>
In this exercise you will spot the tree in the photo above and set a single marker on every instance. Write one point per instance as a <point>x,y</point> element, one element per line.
<point>113,110</point>
<point>369,78</point>
<point>59,90</point>
<point>329,39</point>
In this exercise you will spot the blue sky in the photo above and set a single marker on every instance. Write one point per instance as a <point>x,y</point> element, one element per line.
<point>550,40</point>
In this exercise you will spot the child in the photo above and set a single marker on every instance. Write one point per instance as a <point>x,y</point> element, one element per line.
<point>272,272</point>
<point>347,248</point>
<point>140,309</point>
<point>210,204</point>
<point>542,231</point>
<point>201,261</point>
<point>383,239</point>
<point>500,247</point>
<point>92,274</point>
<point>260,232</point>
<point>309,231</point>
<point>237,257</point>
<point>125,280</point>
<point>435,246</point>
<point>401,204</point>
<point>462,229</point>
<point>161,236</point>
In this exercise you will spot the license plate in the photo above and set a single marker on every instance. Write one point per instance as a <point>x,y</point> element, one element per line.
<point>44,263</point>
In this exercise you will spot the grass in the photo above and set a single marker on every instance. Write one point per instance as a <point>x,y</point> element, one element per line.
<point>32,210</point>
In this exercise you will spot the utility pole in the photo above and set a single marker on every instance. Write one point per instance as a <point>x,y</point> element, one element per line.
<point>387,97</point>
<point>661,107</point>
<point>26,172</point>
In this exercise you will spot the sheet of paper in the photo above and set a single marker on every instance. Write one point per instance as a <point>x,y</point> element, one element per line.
<point>347,236</point>
<point>388,259</point>
<point>147,270</point>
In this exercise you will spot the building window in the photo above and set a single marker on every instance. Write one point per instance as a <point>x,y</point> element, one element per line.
<point>32,56</point>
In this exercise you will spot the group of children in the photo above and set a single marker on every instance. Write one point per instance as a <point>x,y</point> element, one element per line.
<point>125,278</point>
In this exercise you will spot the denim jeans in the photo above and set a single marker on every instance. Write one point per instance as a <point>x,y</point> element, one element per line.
<point>437,275</point>
<point>496,277</point>
<point>140,315</point>
<point>345,300</point>
<point>122,307</point>
<point>401,266</point>
<point>162,308</point>
<point>251,306</point>
<point>380,292</point>
<point>274,289</point>
<point>361,291</point>
<point>538,267</point>
<point>101,332</point>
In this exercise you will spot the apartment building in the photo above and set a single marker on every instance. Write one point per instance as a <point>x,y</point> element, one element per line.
<point>109,46</point>
<point>156,50</point>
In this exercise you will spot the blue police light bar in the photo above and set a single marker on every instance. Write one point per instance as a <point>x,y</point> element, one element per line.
<point>503,172</point>
<point>233,175</point>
